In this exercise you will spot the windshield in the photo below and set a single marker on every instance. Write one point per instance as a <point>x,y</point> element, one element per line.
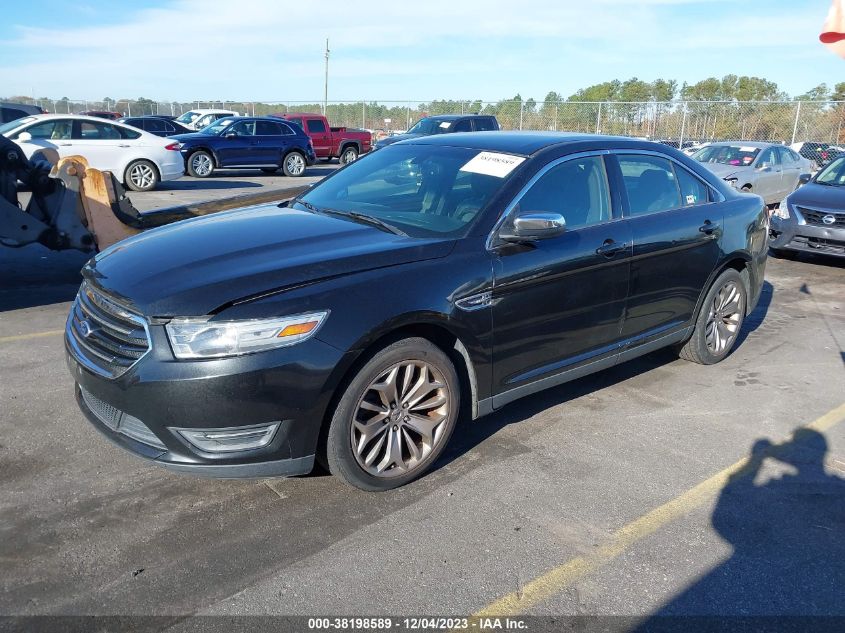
<point>218,126</point>
<point>833,174</point>
<point>737,155</point>
<point>188,117</point>
<point>425,191</point>
<point>12,125</point>
<point>430,126</point>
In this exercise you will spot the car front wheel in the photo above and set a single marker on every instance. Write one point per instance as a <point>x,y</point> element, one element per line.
<point>200,164</point>
<point>719,320</point>
<point>141,175</point>
<point>395,416</point>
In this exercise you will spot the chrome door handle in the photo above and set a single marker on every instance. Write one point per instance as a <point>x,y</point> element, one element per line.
<point>124,145</point>
<point>610,248</point>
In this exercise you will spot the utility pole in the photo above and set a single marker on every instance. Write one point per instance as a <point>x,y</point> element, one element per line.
<point>326,84</point>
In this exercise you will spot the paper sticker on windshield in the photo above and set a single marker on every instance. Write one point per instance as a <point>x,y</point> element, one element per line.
<point>445,124</point>
<point>747,149</point>
<point>493,164</point>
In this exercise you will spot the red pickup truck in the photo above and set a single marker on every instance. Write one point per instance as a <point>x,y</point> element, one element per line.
<point>343,143</point>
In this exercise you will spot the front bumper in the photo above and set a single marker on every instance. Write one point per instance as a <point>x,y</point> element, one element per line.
<point>795,235</point>
<point>159,393</point>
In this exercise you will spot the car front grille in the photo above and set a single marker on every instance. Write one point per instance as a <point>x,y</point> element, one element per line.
<point>105,337</point>
<point>815,217</point>
<point>121,422</point>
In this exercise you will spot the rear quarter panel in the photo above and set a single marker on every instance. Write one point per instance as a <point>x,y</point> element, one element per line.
<point>745,236</point>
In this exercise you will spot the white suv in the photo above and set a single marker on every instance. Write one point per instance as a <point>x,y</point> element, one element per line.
<point>138,159</point>
<point>198,119</point>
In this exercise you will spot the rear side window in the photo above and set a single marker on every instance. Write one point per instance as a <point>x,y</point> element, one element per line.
<point>88,130</point>
<point>576,189</point>
<point>268,128</point>
<point>484,124</point>
<point>154,125</point>
<point>693,191</point>
<point>297,123</point>
<point>316,125</point>
<point>650,183</point>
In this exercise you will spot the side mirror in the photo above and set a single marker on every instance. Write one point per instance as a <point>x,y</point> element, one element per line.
<point>24,137</point>
<point>765,167</point>
<point>533,226</point>
<point>230,134</point>
<point>803,179</point>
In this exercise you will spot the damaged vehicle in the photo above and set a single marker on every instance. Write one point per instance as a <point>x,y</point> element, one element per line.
<point>435,280</point>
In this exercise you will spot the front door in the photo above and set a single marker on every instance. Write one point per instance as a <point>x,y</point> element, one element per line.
<point>320,137</point>
<point>558,303</point>
<point>676,226</point>
<point>237,148</point>
<point>51,134</point>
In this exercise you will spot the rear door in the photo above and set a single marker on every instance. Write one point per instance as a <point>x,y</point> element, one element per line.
<point>676,224</point>
<point>558,303</point>
<point>791,165</point>
<point>271,141</point>
<point>102,145</point>
<point>320,137</point>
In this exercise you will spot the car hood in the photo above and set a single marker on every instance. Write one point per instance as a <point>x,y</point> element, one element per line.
<point>194,267</point>
<point>724,171</point>
<point>822,196</point>
<point>390,140</point>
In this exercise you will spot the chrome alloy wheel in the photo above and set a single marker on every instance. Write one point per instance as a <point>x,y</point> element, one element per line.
<point>348,156</point>
<point>201,164</point>
<point>400,419</point>
<point>142,175</point>
<point>724,318</point>
<point>295,164</point>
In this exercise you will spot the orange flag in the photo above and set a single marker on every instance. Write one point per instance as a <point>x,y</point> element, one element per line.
<point>833,31</point>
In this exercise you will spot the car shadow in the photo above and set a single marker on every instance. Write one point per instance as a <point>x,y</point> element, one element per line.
<point>783,514</point>
<point>819,259</point>
<point>758,315</point>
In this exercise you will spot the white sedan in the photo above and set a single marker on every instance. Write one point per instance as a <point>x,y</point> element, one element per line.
<point>138,159</point>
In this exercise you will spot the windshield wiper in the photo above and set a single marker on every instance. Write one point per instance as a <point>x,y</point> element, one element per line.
<point>355,215</point>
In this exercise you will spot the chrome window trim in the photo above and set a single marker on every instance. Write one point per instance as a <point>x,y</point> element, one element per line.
<point>543,171</point>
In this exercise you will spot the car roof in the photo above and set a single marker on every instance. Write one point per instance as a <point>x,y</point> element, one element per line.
<point>210,111</point>
<point>453,117</point>
<point>527,143</point>
<point>755,144</point>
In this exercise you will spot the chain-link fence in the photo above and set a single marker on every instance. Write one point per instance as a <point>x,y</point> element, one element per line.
<point>679,121</point>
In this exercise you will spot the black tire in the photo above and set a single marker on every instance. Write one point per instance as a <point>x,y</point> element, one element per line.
<point>270,170</point>
<point>698,349</point>
<point>340,455</point>
<point>294,164</point>
<point>746,188</point>
<point>200,164</point>
<point>141,175</point>
<point>348,155</point>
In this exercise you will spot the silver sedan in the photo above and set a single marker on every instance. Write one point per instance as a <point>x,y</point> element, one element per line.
<point>769,170</point>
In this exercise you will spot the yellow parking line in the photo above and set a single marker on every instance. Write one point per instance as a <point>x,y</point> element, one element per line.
<point>24,337</point>
<point>555,580</point>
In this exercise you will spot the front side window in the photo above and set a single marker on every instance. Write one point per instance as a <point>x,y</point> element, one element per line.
<point>316,126</point>
<point>243,128</point>
<point>650,183</point>
<point>768,157</point>
<point>425,191</point>
<point>576,189</point>
<point>56,129</point>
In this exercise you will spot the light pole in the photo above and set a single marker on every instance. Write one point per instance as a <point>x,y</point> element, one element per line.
<point>326,83</point>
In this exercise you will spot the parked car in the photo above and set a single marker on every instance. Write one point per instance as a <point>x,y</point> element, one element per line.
<point>14,111</point>
<point>812,219</point>
<point>198,119</point>
<point>263,143</point>
<point>102,114</point>
<point>820,154</point>
<point>169,117</point>
<point>436,276</point>
<point>155,125</point>
<point>444,124</point>
<point>345,144</point>
<point>769,170</point>
<point>138,159</point>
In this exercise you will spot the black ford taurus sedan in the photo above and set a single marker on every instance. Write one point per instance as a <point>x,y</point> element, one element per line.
<point>435,279</point>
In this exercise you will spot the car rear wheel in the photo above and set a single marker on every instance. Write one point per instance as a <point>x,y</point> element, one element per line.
<point>395,416</point>
<point>349,155</point>
<point>141,175</point>
<point>294,164</point>
<point>719,320</point>
<point>200,164</point>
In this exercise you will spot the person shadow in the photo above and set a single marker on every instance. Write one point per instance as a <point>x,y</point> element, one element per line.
<point>787,570</point>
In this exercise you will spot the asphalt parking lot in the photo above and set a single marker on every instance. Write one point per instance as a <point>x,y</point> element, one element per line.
<point>620,494</point>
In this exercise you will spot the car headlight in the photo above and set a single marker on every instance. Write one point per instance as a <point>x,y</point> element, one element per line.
<point>782,211</point>
<point>732,181</point>
<point>202,338</point>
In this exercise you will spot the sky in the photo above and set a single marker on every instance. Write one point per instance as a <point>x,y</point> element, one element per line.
<point>266,50</point>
